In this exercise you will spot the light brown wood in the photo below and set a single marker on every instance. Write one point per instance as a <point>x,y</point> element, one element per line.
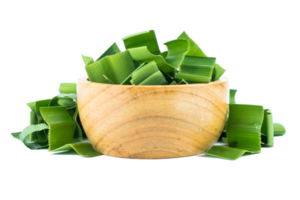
<point>152,121</point>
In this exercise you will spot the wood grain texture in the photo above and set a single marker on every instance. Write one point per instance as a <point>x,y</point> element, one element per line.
<point>152,121</point>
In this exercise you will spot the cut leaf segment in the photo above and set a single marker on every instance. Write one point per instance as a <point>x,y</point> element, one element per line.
<point>225,152</point>
<point>279,129</point>
<point>196,69</point>
<point>244,126</point>
<point>112,50</point>
<point>217,72</point>
<point>232,94</point>
<point>84,149</point>
<point>61,126</point>
<point>146,38</point>
<point>67,88</point>
<point>148,75</point>
<point>117,67</point>
<point>87,60</point>
<point>267,132</point>
<point>194,48</point>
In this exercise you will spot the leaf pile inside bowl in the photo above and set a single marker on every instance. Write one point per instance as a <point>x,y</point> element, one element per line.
<point>142,63</point>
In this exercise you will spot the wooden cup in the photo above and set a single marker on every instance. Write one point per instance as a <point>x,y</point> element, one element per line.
<point>161,121</point>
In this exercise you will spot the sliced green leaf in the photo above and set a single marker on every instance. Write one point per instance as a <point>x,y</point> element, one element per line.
<point>67,88</point>
<point>61,126</point>
<point>34,130</point>
<point>177,50</point>
<point>87,60</point>
<point>148,75</point>
<point>142,54</point>
<point>217,72</point>
<point>267,132</point>
<point>117,67</point>
<point>16,135</point>
<point>67,100</point>
<point>146,38</point>
<point>112,50</point>
<point>83,149</point>
<point>194,48</point>
<point>196,69</point>
<point>173,83</point>
<point>127,80</point>
<point>279,129</point>
<point>33,118</point>
<point>232,96</point>
<point>29,129</point>
<point>225,152</point>
<point>243,127</point>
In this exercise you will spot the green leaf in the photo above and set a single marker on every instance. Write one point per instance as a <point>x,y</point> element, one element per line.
<point>67,100</point>
<point>142,54</point>
<point>196,69</point>
<point>34,131</point>
<point>16,135</point>
<point>67,88</point>
<point>173,83</point>
<point>61,126</point>
<point>86,59</point>
<point>29,129</point>
<point>217,72</point>
<point>38,105</point>
<point>148,75</point>
<point>232,96</point>
<point>117,67</point>
<point>267,132</point>
<point>127,80</point>
<point>243,127</point>
<point>225,152</point>
<point>194,48</point>
<point>83,149</point>
<point>33,118</point>
<point>279,129</point>
<point>112,50</point>
<point>177,50</point>
<point>146,38</point>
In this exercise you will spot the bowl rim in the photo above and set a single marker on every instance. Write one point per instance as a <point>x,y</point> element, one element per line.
<point>221,80</point>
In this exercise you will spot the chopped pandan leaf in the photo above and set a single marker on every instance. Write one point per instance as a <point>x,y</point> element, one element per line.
<point>217,72</point>
<point>35,106</point>
<point>117,67</point>
<point>195,48</point>
<point>244,127</point>
<point>112,50</point>
<point>84,149</point>
<point>173,83</point>
<point>67,100</point>
<point>146,38</point>
<point>127,80</point>
<point>33,136</point>
<point>196,69</point>
<point>87,60</point>
<point>142,54</point>
<point>280,130</point>
<point>148,75</point>
<point>67,88</point>
<point>267,132</point>
<point>61,126</point>
<point>225,152</point>
<point>233,95</point>
<point>177,50</point>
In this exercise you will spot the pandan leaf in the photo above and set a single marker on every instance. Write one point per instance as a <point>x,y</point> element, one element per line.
<point>173,83</point>
<point>232,96</point>
<point>32,137</point>
<point>112,50</point>
<point>177,50</point>
<point>67,88</point>
<point>279,129</point>
<point>225,152</point>
<point>83,149</point>
<point>217,72</point>
<point>87,60</point>
<point>267,132</point>
<point>127,80</point>
<point>109,81</point>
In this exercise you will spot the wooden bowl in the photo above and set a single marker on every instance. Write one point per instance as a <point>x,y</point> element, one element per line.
<point>164,121</point>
